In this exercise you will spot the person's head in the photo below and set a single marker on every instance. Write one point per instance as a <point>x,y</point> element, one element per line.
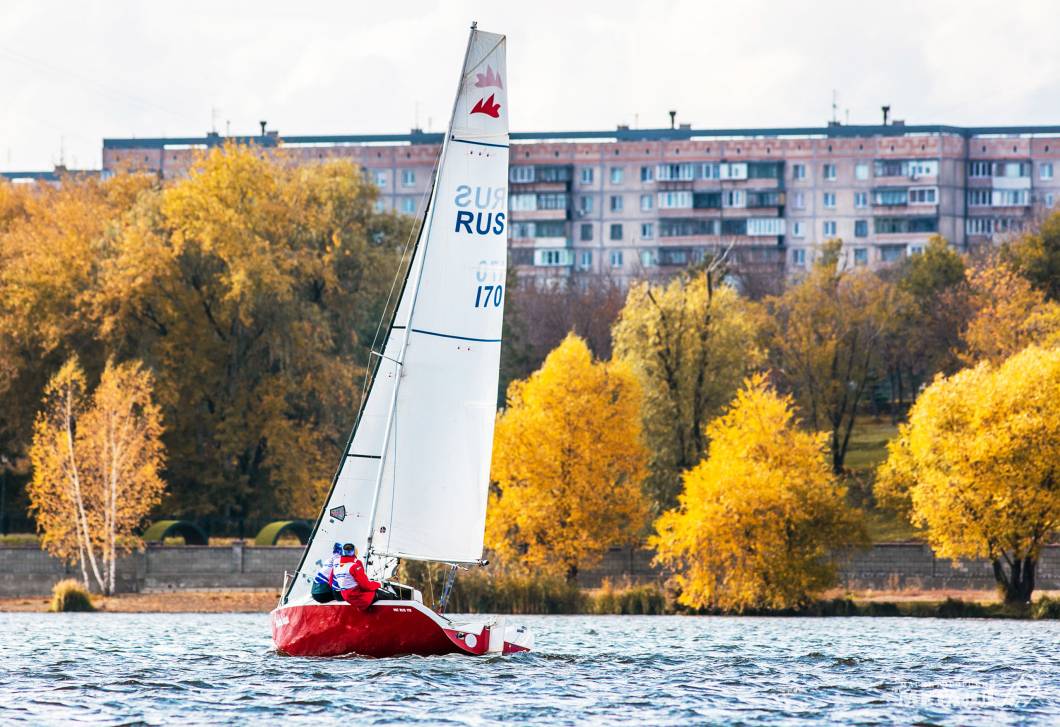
<point>349,549</point>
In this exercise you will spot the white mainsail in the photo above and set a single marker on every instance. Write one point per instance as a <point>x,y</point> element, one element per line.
<point>414,479</point>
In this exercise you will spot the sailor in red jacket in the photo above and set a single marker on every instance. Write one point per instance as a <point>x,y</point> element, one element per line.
<point>353,584</point>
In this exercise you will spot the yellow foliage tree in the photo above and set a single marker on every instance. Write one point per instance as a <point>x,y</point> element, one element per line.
<point>96,466</point>
<point>977,465</point>
<point>568,463</point>
<point>690,342</point>
<point>1009,315</point>
<point>762,516</point>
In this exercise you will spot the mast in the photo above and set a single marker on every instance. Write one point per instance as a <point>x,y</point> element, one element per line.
<point>412,305</point>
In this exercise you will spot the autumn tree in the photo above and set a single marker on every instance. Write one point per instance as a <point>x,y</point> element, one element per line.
<point>1008,315</point>
<point>826,335</point>
<point>976,465</point>
<point>96,465</point>
<point>690,342</point>
<point>1036,256</point>
<point>762,516</point>
<point>568,463</point>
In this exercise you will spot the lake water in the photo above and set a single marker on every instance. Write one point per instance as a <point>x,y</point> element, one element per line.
<point>199,668</point>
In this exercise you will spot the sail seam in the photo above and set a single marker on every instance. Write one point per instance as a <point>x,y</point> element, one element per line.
<point>479,143</point>
<point>459,338</point>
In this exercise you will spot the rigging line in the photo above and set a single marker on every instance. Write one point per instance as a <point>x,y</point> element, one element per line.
<point>485,55</point>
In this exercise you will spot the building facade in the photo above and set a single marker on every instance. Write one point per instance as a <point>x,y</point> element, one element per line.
<point>632,202</point>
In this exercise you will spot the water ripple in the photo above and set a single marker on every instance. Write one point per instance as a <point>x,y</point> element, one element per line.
<point>220,668</point>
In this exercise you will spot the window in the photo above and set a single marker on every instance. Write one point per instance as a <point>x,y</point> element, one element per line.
<point>587,175</point>
<point>616,231</point>
<point>521,174</point>
<point>861,256</point>
<point>978,197</point>
<point>861,200</point>
<point>647,174</point>
<point>890,197</point>
<point>380,205</point>
<point>585,204</point>
<point>861,170</point>
<point>891,253</point>
<point>798,200</point>
<point>522,202</point>
<point>676,172</point>
<point>902,225</point>
<point>1045,170</point>
<point>734,170</point>
<point>861,228</point>
<point>765,226</point>
<point>380,178</point>
<point>646,258</point>
<point>798,171</point>
<point>552,201</point>
<point>709,171</point>
<point>522,230</point>
<point>829,200</point>
<point>616,203</point>
<point>923,195</point>
<point>687,228</point>
<point>979,226</point>
<point>647,230</point>
<point>829,228</point>
<point>734,198</point>
<point>585,259</point>
<point>586,233</point>
<point>408,178</point>
<point>797,229</point>
<point>616,258</point>
<point>798,257</point>
<point>616,175</point>
<point>916,248</point>
<point>829,172</point>
<point>979,169</point>
<point>1012,169</point>
<point>1050,199</point>
<point>408,205</point>
<point>646,202</point>
<point>765,170</point>
<point>1009,197</point>
<point>675,200</point>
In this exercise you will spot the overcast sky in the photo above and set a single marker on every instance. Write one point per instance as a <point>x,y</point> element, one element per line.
<point>74,72</point>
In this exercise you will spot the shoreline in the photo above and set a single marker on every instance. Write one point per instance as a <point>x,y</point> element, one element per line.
<point>908,603</point>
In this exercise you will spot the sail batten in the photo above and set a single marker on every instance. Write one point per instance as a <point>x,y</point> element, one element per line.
<point>415,475</point>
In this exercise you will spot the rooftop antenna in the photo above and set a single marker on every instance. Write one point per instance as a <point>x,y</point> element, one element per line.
<point>886,112</point>
<point>262,124</point>
<point>834,119</point>
<point>228,127</point>
<point>416,116</point>
<point>673,118</point>
<point>636,121</point>
<point>846,117</point>
<point>213,119</point>
<point>62,151</point>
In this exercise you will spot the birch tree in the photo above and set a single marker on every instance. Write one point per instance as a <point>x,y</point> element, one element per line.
<point>96,466</point>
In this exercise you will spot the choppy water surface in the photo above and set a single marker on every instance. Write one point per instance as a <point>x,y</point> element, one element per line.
<point>192,668</point>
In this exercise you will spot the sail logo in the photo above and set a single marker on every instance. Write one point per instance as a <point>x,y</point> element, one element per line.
<point>488,107</point>
<point>488,79</point>
<point>480,210</point>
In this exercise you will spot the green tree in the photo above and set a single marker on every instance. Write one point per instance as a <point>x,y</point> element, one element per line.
<point>690,342</point>
<point>1036,256</point>
<point>762,517</point>
<point>826,338</point>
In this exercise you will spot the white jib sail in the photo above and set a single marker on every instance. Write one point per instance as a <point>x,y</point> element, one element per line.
<point>432,467</point>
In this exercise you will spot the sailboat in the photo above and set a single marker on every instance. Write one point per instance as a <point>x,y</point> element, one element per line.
<point>413,480</point>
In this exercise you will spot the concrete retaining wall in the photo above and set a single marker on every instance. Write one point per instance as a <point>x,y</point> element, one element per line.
<point>31,572</point>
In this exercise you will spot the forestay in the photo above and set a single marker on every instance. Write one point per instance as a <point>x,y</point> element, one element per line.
<point>431,469</point>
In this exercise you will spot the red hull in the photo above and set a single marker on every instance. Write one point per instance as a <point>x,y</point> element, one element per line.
<point>391,628</point>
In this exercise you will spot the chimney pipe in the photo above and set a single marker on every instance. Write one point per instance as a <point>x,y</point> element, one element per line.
<point>673,116</point>
<point>886,112</point>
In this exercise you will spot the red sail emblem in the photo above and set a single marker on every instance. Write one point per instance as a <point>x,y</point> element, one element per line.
<point>488,107</point>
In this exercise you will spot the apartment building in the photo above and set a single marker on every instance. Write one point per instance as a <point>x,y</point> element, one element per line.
<point>632,202</point>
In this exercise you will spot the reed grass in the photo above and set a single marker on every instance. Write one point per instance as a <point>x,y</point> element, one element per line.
<point>70,595</point>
